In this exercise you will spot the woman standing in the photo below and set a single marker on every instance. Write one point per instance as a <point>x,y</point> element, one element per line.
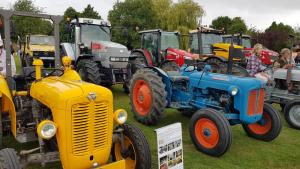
<point>254,64</point>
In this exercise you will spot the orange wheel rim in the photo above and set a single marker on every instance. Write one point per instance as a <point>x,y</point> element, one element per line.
<point>207,133</point>
<point>263,126</point>
<point>142,97</point>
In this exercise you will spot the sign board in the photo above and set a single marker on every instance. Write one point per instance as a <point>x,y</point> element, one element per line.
<point>169,147</point>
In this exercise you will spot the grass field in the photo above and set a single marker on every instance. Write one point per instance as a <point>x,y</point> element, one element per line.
<point>245,152</point>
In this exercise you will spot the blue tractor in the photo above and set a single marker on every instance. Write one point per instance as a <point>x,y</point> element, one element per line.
<point>215,101</point>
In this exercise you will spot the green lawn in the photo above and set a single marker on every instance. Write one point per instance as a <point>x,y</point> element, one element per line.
<point>245,152</point>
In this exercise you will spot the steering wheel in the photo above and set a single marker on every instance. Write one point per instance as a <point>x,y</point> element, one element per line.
<point>46,74</point>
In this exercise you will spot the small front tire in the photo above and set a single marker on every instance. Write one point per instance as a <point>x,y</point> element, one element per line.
<point>292,114</point>
<point>210,132</point>
<point>137,149</point>
<point>268,128</point>
<point>9,159</point>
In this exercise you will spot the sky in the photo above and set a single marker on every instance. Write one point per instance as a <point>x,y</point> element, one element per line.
<point>256,13</point>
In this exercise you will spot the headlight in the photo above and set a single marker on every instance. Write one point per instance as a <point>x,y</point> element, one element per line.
<point>120,116</point>
<point>46,129</point>
<point>234,91</point>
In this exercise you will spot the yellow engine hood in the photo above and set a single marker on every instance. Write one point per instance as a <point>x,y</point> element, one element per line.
<point>226,46</point>
<point>56,91</point>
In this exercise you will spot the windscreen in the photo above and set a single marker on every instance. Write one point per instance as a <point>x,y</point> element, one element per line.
<point>208,40</point>
<point>91,33</point>
<point>169,40</point>
<point>42,40</point>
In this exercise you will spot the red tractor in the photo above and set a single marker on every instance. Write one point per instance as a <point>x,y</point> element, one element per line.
<point>268,56</point>
<point>160,49</point>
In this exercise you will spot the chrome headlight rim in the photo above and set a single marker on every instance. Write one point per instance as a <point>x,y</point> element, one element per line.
<point>120,116</point>
<point>234,91</point>
<point>47,129</point>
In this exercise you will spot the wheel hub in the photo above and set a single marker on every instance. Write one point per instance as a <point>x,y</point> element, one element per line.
<point>295,114</point>
<point>142,97</point>
<point>207,132</point>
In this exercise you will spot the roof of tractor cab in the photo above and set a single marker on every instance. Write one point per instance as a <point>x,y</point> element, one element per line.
<point>236,35</point>
<point>207,30</point>
<point>91,21</point>
<point>157,30</point>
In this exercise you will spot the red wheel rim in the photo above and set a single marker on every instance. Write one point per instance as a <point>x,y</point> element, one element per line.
<point>142,97</point>
<point>263,127</point>
<point>207,133</point>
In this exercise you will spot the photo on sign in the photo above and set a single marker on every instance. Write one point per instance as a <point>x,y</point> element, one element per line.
<point>172,159</point>
<point>177,143</point>
<point>163,162</point>
<point>178,157</point>
<point>171,146</point>
<point>163,149</point>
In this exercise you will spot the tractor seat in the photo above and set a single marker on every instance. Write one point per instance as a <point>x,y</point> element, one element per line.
<point>175,76</point>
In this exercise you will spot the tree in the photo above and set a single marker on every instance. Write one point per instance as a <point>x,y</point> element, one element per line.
<point>222,22</point>
<point>28,25</point>
<point>89,12</point>
<point>237,26</point>
<point>276,37</point>
<point>127,16</point>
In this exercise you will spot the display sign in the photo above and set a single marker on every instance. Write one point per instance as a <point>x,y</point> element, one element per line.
<point>169,147</point>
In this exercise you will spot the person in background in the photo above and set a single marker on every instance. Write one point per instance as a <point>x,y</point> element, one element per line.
<point>254,64</point>
<point>296,54</point>
<point>284,61</point>
<point>3,61</point>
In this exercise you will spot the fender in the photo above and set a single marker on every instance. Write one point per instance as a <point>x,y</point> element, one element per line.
<point>166,81</point>
<point>144,53</point>
<point>217,57</point>
<point>8,104</point>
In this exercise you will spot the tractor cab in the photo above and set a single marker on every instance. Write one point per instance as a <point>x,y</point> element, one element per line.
<point>208,44</point>
<point>163,46</point>
<point>238,39</point>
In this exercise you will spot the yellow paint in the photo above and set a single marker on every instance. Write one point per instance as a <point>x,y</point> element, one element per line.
<point>130,163</point>
<point>38,63</point>
<point>67,61</point>
<point>8,104</point>
<point>222,50</point>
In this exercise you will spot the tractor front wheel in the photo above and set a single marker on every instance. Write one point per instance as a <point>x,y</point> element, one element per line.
<point>266,129</point>
<point>9,159</point>
<point>292,114</point>
<point>147,96</point>
<point>89,71</point>
<point>210,132</point>
<point>137,152</point>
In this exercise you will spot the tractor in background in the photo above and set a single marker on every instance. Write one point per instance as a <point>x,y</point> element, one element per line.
<point>215,101</point>
<point>96,58</point>
<point>268,56</point>
<point>71,121</point>
<point>38,46</point>
<point>159,49</point>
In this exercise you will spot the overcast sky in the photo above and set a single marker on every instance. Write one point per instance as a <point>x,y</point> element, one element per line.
<point>258,13</point>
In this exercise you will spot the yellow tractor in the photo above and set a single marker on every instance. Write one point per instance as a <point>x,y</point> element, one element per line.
<point>71,120</point>
<point>41,46</point>
<point>207,44</point>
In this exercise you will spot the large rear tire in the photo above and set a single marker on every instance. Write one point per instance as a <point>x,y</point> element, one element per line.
<point>138,154</point>
<point>268,128</point>
<point>147,96</point>
<point>292,114</point>
<point>89,71</point>
<point>210,132</point>
<point>9,159</point>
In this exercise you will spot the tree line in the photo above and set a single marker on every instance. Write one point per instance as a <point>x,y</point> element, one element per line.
<point>130,16</point>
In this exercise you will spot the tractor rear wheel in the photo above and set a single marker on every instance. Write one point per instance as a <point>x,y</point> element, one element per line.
<point>292,114</point>
<point>89,71</point>
<point>9,159</point>
<point>268,128</point>
<point>170,66</point>
<point>147,96</point>
<point>210,132</point>
<point>137,155</point>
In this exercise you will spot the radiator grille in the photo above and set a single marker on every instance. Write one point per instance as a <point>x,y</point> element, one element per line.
<point>89,127</point>
<point>256,102</point>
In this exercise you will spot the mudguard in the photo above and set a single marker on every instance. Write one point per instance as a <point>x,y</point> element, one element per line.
<point>143,53</point>
<point>8,104</point>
